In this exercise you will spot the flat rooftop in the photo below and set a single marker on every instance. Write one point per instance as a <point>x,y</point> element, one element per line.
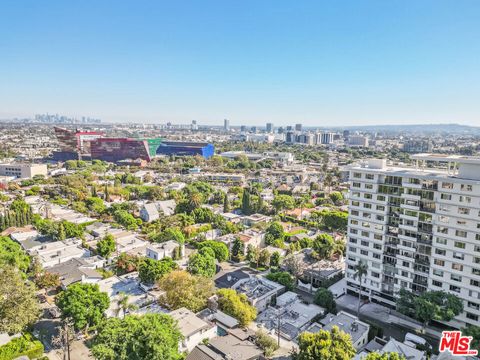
<point>294,317</point>
<point>257,287</point>
<point>447,158</point>
<point>347,323</point>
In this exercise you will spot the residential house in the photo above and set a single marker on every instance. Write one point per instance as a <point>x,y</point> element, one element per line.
<point>158,251</point>
<point>224,322</point>
<point>57,252</point>
<point>254,219</point>
<point>260,291</point>
<point>227,280</point>
<point>350,324</point>
<point>193,328</point>
<point>129,284</point>
<point>226,348</point>
<point>78,270</point>
<point>152,211</point>
<point>316,272</point>
<point>293,315</point>
<point>253,237</point>
<point>391,345</point>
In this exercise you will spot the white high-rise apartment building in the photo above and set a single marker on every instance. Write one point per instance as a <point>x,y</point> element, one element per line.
<point>417,228</point>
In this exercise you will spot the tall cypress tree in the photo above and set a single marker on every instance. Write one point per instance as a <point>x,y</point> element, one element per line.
<point>7,220</point>
<point>18,218</point>
<point>246,206</point>
<point>107,194</point>
<point>29,215</point>
<point>226,204</point>
<point>11,219</point>
<point>61,232</point>
<point>260,203</point>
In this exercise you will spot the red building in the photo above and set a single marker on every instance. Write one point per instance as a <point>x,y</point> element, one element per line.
<point>117,149</point>
<point>75,144</point>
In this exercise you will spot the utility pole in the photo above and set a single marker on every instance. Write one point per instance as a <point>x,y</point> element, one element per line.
<point>67,339</point>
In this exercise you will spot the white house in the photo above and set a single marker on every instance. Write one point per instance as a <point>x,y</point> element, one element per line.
<point>152,211</point>
<point>194,329</point>
<point>166,249</point>
<point>259,291</point>
<point>57,252</point>
<point>358,330</point>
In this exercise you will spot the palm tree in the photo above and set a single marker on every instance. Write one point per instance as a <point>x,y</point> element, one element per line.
<point>302,201</point>
<point>195,201</point>
<point>328,181</point>
<point>123,305</point>
<point>360,271</point>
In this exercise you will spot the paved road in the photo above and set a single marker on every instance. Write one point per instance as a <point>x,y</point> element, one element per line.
<point>46,329</point>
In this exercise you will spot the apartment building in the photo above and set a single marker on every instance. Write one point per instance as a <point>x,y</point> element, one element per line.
<point>417,228</point>
<point>23,171</point>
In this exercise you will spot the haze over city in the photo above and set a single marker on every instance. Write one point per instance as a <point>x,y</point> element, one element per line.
<point>315,62</point>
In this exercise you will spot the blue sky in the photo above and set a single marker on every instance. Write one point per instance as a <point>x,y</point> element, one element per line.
<point>317,62</point>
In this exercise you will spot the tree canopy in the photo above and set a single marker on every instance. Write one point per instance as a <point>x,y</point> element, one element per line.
<point>219,248</point>
<point>151,270</point>
<point>237,306</point>
<point>126,219</point>
<point>106,246</point>
<point>431,305</point>
<point>202,263</point>
<point>284,278</point>
<point>283,202</point>
<point>85,304</point>
<point>18,304</point>
<point>169,234</point>
<point>151,336</point>
<point>385,356</point>
<point>11,253</point>
<point>325,345</point>
<point>473,331</point>
<point>185,290</point>
<point>238,249</point>
<point>324,246</point>
<point>324,298</point>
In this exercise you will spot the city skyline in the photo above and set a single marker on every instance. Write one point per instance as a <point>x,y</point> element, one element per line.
<point>313,63</point>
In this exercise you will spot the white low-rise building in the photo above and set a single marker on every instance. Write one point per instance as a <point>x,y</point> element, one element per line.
<point>57,252</point>
<point>291,313</point>
<point>152,211</point>
<point>23,171</point>
<point>194,329</point>
<point>126,285</point>
<point>260,292</point>
<point>350,324</point>
<point>158,251</point>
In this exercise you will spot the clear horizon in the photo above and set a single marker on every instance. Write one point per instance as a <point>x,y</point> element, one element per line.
<point>317,63</point>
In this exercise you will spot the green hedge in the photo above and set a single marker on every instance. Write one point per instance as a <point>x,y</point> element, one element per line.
<point>24,345</point>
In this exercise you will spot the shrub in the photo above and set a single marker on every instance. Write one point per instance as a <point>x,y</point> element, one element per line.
<point>283,278</point>
<point>265,342</point>
<point>24,345</point>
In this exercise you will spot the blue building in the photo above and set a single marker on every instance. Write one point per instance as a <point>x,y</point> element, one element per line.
<point>180,148</point>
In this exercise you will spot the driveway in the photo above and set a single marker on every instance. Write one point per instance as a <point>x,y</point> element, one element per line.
<point>46,329</point>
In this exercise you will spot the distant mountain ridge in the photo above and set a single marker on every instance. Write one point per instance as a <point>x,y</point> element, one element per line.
<point>413,128</point>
